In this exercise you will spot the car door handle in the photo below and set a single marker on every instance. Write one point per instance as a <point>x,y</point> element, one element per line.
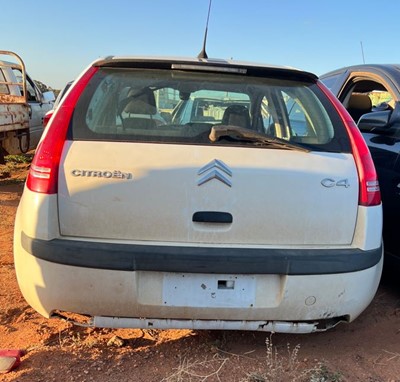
<point>212,217</point>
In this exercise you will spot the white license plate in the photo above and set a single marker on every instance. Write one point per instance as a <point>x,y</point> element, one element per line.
<point>203,290</point>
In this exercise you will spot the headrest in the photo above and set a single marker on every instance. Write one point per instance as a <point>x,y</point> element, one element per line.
<point>140,103</point>
<point>138,106</point>
<point>359,101</point>
<point>236,115</point>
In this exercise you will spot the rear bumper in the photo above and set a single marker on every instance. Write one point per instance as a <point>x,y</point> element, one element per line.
<point>190,259</point>
<point>196,287</point>
<point>198,300</point>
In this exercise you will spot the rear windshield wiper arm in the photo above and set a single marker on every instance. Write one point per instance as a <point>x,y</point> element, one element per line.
<point>243,134</point>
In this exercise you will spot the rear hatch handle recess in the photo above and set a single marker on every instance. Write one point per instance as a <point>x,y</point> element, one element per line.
<point>243,134</point>
<point>212,217</point>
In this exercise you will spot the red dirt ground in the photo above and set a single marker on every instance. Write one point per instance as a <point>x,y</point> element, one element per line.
<point>366,350</point>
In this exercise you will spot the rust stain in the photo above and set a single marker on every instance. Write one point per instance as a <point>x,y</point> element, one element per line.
<point>14,116</point>
<point>7,98</point>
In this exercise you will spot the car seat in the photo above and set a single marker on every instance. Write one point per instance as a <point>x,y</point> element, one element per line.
<point>358,105</point>
<point>237,115</point>
<point>138,111</point>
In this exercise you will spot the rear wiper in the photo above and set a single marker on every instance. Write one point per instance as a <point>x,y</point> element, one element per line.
<point>243,134</point>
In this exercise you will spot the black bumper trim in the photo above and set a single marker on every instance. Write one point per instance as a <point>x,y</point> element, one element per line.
<point>132,257</point>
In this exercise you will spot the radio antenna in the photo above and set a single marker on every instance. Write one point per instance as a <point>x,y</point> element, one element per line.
<point>203,53</point>
<point>362,52</point>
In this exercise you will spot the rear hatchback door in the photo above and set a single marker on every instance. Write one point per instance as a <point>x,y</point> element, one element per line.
<point>124,177</point>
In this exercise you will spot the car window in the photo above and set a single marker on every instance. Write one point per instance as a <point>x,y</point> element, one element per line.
<point>330,81</point>
<point>300,119</point>
<point>30,87</point>
<point>334,81</point>
<point>3,87</point>
<point>378,97</point>
<point>62,94</point>
<point>365,95</point>
<point>297,116</point>
<point>172,107</point>
<point>207,106</point>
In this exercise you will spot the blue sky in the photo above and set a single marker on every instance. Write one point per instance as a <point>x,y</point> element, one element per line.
<point>59,38</point>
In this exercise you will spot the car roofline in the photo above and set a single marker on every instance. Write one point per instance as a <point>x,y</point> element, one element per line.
<point>387,68</point>
<point>249,68</point>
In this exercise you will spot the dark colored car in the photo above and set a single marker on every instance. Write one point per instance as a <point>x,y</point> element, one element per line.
<point>371,95</point>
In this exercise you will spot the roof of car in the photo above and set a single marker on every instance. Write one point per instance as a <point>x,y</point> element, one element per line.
<point>209,64</point>
<point>389,69</point>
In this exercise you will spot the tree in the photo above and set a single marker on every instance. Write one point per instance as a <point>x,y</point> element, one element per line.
<point>42,87</point>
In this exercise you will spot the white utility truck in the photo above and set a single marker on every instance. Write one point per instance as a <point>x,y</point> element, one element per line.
<point>22,107</point>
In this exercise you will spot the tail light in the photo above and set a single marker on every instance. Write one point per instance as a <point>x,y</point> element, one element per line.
<point>47,117</point>
<point>369,192</point>
<point>43,174</point>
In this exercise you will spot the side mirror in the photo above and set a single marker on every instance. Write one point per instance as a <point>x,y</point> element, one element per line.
<point>48,97</point>
<point>375,122</point>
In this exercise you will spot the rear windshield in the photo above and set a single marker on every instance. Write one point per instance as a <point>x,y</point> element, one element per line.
<point>182,107</point>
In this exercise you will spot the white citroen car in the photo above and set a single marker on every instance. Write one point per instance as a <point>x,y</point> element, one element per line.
<point>261,212</point>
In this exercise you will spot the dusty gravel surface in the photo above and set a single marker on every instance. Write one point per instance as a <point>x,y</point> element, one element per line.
<point>366,350</point>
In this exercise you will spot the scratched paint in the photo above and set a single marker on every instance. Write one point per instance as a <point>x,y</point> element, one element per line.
<point>13,116</point>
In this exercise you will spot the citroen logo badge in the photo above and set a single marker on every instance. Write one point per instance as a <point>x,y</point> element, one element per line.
<point>216,169</point>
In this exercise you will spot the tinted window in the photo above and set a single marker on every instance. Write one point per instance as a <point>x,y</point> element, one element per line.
<point>330,81</point>
<point>181,107</point>
<point>207,106</point>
